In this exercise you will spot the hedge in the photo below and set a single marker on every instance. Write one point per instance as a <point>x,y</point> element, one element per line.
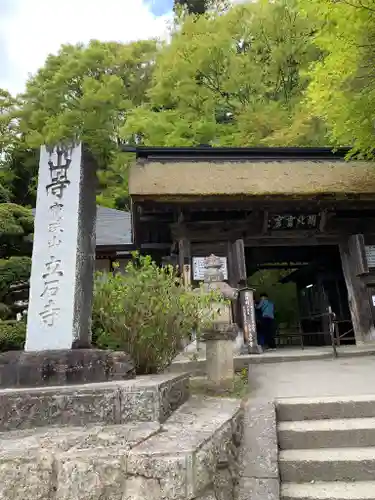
<point>12,335</point>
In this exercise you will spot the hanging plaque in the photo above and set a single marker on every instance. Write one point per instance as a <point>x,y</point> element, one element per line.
<point>288,222</point>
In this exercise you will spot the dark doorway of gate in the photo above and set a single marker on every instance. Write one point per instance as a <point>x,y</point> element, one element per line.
<point>305,283</point>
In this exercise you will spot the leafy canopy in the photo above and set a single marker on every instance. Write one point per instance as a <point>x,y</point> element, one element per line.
<point>342,88</point>
<point>233,78</point>
<point>87,92</point>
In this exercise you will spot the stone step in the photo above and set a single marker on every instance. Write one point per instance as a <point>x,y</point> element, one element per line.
<point>149,398</point>
<point>339,433</point>
<point>329,464</point>
<point>191,456</point>
<point>361,490</point>
<point>325,408</point>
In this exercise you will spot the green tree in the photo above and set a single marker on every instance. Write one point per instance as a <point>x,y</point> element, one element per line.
<point>233,78</point>
<point>18,162</point>
<point>87,92</point>
<point>16,226</point>
<point>342,87</point>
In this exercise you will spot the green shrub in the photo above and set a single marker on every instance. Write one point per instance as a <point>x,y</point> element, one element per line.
<point>12,335</point>
<point>4,311</point>
<point>146,312</point>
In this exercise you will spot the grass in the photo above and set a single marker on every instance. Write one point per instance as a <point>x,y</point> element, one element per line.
<point>239,389</point>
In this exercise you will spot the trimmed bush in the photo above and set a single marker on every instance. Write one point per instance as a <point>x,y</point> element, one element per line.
<point>4,311</point>
<point>12,335</point>
<point>146,312</point>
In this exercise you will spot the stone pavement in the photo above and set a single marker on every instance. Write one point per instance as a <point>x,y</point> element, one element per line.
<point>320,377</point>
<point>191,362</point>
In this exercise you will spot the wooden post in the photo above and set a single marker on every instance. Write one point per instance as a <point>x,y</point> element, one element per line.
<point>359,303</point>
<point>184,259</point>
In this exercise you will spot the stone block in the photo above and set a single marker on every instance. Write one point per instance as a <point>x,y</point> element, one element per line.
<point>258,489</point>
<point>26,473</point>
<point>56,368</point>
<point>224,485</point>
<point>74,405</point>
<point>194,443</point>
<point>98,474</point>
<point>208,495</point>
<point>141,488</point>
<point>88,463</point>
<point>151,398</point>
<point>61,440</point>
<point>259,451</point>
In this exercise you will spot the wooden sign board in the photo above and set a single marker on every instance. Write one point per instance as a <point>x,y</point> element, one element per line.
<point>199,268</point>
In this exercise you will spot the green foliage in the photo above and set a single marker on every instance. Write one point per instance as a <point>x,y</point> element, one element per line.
<point>87,92</point>
<point>146,312</point>
<point>16,224</point>
<point>12,335</point>
<point>342,90</point>
<point>15,220</point>
<point>233,78</point>
<point>13,270</point>
<point>5,311</point>
<point>8,127</point>
<point>18,163</point>
<point>284,296</point>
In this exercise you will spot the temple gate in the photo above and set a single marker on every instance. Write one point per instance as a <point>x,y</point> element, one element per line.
<point>303,208</point>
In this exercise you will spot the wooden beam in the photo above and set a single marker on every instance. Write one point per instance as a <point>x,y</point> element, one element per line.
<point>155,246</point>
<point>275,241</point>
<point>358,297</point>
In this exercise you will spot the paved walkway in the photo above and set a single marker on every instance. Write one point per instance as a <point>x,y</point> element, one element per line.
<point>309,378</point>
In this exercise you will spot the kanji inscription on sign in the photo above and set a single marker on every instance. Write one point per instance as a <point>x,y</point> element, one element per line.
<point>287,222</point>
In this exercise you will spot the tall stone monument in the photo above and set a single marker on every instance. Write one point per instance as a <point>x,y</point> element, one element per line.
<point>58,339</point>
<point>63,259</point>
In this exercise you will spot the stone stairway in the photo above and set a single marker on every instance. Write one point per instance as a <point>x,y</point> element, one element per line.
<point>132,440</point>
<point>327,448</point>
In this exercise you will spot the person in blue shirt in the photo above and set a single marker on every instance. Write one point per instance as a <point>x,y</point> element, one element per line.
<point>267,330</point>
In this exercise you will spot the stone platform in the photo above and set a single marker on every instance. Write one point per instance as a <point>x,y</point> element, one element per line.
<point>71,366</point>
<point>140,400</point>
<point>152,444</point>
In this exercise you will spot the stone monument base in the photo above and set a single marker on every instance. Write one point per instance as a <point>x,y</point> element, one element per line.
<point>66,367</point>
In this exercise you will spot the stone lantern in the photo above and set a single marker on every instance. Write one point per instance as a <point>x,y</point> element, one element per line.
<point>219,338</point>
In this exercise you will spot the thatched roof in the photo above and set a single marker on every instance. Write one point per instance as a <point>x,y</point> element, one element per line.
<point>251,178</point>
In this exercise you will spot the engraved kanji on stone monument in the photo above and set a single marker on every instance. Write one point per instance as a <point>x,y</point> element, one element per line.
<point>64,251</point>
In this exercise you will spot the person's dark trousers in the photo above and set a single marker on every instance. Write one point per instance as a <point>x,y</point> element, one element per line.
<point>268,331</point>
<point>260,334</point>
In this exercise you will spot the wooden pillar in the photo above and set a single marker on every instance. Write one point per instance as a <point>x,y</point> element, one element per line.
<point>184,259</point>
<point>353,265</point>
<point>237,276</point>
<point>237,263</point>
